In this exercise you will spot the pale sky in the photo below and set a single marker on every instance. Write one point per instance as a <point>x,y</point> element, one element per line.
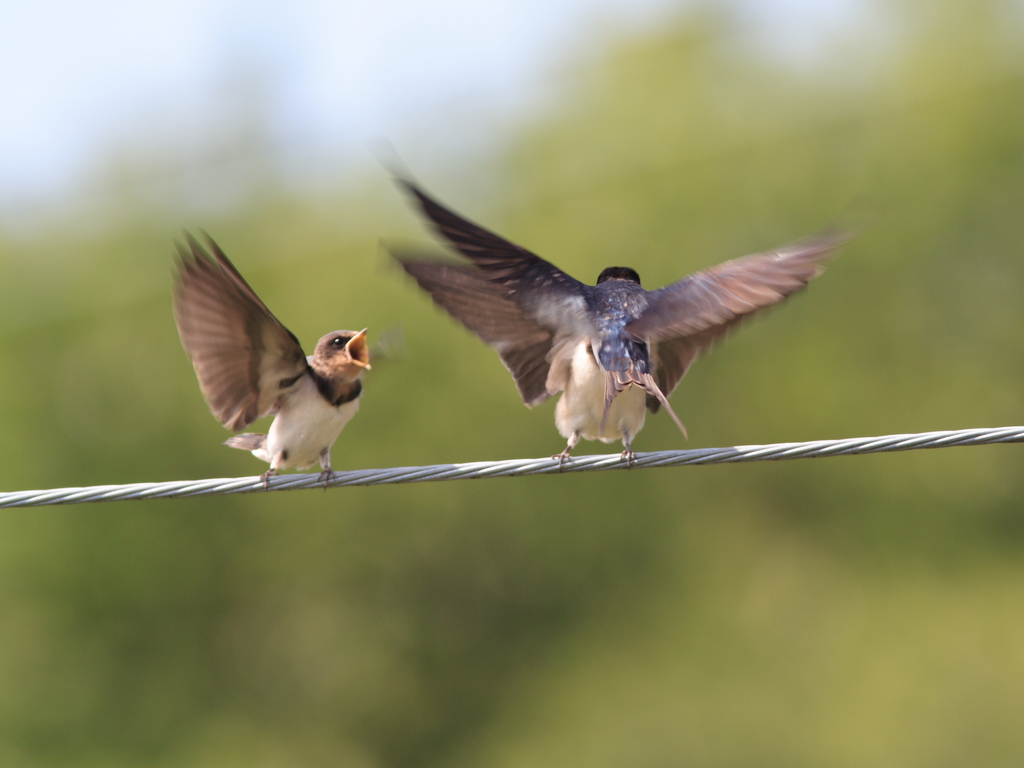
<point>77,78</point>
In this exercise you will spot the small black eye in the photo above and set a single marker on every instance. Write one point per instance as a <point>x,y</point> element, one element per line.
<point>339,341</point>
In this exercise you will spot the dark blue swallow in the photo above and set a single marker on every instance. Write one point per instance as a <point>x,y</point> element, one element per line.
<point>614,349</point>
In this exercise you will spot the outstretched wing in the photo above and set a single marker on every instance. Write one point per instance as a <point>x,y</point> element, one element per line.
<point>546,294</point>
<point>684,319</point>
<point>511,298</point>
<point>243,356</point>
<point>480,305</point>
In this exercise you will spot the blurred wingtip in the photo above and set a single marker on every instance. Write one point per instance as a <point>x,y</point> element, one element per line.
<point>393,254</point>
<point>403,178</point>
<point>192,249</point>
<point>837,235</point>
<point>821,247</point>
<point>390,345</point>
<point>385,153</point>
<point>399,254</point>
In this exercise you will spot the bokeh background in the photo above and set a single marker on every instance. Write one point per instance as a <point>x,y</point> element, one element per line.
<point>843,612</point>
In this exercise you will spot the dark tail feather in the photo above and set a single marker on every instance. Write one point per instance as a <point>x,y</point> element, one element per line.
<point>652,388</point>
<point>618,381</point>
<point>247,441</point>
<point>612,388</point>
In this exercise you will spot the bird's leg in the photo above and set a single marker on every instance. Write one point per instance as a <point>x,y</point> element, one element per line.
<point>325,465</point>
<point>573,440</point>
<point>265,477</point>
<point>627,454</point>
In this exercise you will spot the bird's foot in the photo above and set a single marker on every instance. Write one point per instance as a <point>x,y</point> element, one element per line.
<point>561,457</point>
<point>265,477</point>
<point>325,465</point>
<point>628,456</point>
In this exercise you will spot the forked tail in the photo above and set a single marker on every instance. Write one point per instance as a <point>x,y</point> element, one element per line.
<point>616,382</point>
<point>651,387</point>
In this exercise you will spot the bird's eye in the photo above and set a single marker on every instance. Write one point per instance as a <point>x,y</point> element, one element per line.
<point>339,341</point>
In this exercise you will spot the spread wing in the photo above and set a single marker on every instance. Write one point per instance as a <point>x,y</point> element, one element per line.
<point>545,293</point>
<point>244,358</point>
<point>684,319</point>
<point>480,305</point>
<point>511,298</point>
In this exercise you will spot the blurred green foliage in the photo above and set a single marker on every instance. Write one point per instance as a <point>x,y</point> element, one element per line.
<point>848,611</point>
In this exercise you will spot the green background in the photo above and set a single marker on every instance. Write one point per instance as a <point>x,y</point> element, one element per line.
<point>843,612</point>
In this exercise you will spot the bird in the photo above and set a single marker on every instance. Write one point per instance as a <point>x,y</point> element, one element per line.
<point>614,350</point>
<point>249,365</point>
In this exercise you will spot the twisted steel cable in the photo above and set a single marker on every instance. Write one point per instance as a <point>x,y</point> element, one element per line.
<point>518,467</point>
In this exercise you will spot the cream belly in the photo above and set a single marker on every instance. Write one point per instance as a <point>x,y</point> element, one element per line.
<point>305,425</point>
<point>582,404</point>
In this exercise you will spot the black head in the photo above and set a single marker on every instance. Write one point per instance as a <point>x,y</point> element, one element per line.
<point>619,273</point>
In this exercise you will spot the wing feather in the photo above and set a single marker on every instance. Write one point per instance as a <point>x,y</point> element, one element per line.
<point>511,298</point>
<point>545,294</point>
<point>684,320</point>
<point>243,356</point>
<point>480,305</point>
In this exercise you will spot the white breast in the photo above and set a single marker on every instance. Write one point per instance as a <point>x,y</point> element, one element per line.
<point>305,425</point>
<point>582,404</point>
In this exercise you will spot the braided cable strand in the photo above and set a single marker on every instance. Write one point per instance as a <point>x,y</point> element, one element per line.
<point>517,467</point>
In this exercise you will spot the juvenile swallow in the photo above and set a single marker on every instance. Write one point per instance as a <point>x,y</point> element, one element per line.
<point>249,365</point>
<point>614,349</point>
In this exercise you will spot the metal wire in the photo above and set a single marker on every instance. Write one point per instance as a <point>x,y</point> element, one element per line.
<point>517,467</point>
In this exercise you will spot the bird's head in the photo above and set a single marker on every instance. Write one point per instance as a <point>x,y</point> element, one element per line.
<point>619,273</point>
<point>342,353</point>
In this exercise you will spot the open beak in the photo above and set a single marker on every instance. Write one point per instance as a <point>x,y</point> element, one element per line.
<point>359,350</point>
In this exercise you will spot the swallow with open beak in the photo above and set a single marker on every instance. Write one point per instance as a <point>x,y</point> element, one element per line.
<point>249,365</point>
<point>613,349</point>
